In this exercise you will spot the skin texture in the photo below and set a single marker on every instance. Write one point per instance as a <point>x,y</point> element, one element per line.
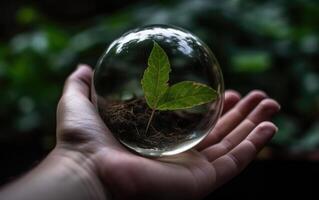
<point>108,170</point>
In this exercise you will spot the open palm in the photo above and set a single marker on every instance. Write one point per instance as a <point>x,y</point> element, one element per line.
<point>236,139</point>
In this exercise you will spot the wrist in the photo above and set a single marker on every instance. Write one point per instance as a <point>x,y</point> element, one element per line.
<point>64,174</point>
<point>80,168</point>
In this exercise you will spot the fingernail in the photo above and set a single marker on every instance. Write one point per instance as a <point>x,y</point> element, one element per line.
<point>277,104</point>
<point>79,65</point>
<point>276,129</point>
<point>270,131</point>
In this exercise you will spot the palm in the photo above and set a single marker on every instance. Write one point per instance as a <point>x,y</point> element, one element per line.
<point>236,139</point>
<point>186,175</point>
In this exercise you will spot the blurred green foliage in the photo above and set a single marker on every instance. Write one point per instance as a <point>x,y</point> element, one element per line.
<point>270,45</point>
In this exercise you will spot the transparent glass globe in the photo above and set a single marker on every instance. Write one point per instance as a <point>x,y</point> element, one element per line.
<point>125,105</point>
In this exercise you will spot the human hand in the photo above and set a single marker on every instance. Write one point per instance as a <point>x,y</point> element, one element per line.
<point>236,139</point>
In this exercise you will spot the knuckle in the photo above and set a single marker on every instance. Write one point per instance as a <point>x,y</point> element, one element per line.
<point>226,144</point>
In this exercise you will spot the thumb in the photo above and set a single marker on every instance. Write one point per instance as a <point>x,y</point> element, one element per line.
<point>79,82</point>
<point>74,105</point>
<point>78,121</point>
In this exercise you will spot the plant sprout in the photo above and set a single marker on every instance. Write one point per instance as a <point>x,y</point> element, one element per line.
<point>160,96</point>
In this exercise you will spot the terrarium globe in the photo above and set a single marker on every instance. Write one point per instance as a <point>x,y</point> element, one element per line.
<point>159,89</point>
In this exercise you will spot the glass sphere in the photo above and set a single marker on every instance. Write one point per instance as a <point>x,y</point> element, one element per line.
<point>159,89</point>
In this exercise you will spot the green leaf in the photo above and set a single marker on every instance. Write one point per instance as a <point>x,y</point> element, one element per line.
<point>186,94</point>
<point>251,62</point>
<point>156,75</point>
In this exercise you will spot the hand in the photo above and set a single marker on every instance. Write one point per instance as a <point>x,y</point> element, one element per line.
<point>236,139</point>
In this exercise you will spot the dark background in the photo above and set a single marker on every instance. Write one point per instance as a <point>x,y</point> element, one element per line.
<point>270,45</point>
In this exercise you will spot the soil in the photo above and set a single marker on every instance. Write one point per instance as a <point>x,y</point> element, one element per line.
<point>128,121</point>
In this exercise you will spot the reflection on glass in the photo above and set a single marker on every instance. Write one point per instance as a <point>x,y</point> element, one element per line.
<point>120,99</point>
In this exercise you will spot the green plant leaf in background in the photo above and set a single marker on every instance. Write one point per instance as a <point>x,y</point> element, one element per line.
<point>186,94</point>
<point>268,39</point>
<point>251,62</point>
<point>156,75</point>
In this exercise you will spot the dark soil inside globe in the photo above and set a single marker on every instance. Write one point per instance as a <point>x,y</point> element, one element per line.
<point>128,121</point>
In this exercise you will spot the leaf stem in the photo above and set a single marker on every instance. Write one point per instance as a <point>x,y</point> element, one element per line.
<point>149,121</point>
